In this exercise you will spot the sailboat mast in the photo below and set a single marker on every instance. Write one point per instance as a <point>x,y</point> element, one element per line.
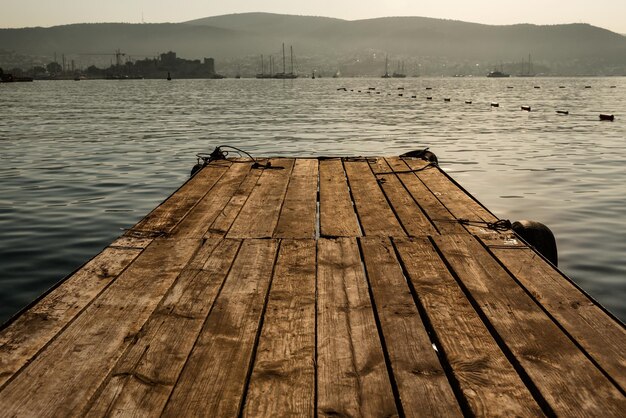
<point>283,58</point>
<point>262,65</point>
<point>291,53</point>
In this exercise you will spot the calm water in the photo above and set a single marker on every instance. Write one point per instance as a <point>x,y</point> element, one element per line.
<point>81,161</point>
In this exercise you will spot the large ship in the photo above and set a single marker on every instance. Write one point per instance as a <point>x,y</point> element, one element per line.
<point>399,73</point>
<point>284,74</point>
<point>527,72</point>
<point>262,74</point>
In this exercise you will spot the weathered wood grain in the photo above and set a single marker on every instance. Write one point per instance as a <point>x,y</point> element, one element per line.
<point>227,216</point>
<point>487,380</point>
<point>197,222</point>
<point>36,327</point>
<point>422,383</point>
<point>375,215</point>
<point>352,376</point>
<point>214,378</point>
<point>283,378</point>
<point>145,375</point>
<point>259,215</point>
<point>176,318</point>
<point>408,212</point>
<point>604,339</point>
<point>337,215</point>
<point>457,201</point>
<point>566,378</point>
<point>298,217</point>
<point>63,377</point>
<point>131,242</point>
<point>440,216</point>
<point>169,213</point>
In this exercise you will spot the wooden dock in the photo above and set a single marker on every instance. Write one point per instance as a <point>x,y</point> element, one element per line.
<point>330,287</point>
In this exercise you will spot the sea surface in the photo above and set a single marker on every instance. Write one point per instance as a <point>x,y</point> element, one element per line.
<point>81,161</point>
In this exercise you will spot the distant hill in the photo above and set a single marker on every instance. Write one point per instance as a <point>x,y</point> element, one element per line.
<point>425,45</point>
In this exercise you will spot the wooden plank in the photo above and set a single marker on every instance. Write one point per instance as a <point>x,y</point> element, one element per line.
<point>457,201</point>
<point>169,213</point>
<point>568,381</point>
<point>214,378</point>
<point>441,217</point>
<point>36,327</point>
<point>489,384</point>
<point>200,218</point>
<point>337,216</point>
<point>283,378</point>
<point>298,217</point>
<point>602,337</point>
<point>422,383</point>
<point>62,378</point>
<point>352,375</point>
<point>227,216</point>
<point>375,215</point>
<point>259,215</point>
<point>144,377</point>
<point>408,212</point>
<point>131,242</point>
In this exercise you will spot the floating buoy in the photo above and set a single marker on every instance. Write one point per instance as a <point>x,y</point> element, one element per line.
<point>539,237</point>
<point>509,87</point>
<point>495,104</point>
<point>537,87</point>
<point>587,87</point>
<point>413,97</point>
<point>526,108</point>
<point>359,91</point>
<point>351,89</point>
<point>446,99</point>
<point>400,88</point>
<point>429,98</point>
<point>562,112</point>
<point>400,94</point>
<point>429,88</point>
<point>605,116</point>
<point>371,88</point>
<point>468,102</point>
<point>561,87</point>
<point>369,92</point>
<point>341,89</point>
<point>612,87</point>
<point>169,77</point>
<point>377,92</point>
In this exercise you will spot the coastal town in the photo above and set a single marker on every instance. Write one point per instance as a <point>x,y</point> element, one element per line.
<point>165,65</point>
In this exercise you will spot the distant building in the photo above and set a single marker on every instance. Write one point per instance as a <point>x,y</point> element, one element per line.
<point>209,63</point>
<point>169,58</point>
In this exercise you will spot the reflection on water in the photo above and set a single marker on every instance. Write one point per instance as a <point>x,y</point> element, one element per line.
<point>81,161</point>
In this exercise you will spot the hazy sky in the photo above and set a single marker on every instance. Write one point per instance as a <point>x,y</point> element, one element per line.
<point>609,14</point>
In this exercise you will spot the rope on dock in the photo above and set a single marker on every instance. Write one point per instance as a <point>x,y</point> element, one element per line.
<point>429,165</point>
<point>499,225</point>
<point>219,153</point>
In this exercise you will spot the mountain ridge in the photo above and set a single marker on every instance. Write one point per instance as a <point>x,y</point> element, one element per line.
<point>438,46</point>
